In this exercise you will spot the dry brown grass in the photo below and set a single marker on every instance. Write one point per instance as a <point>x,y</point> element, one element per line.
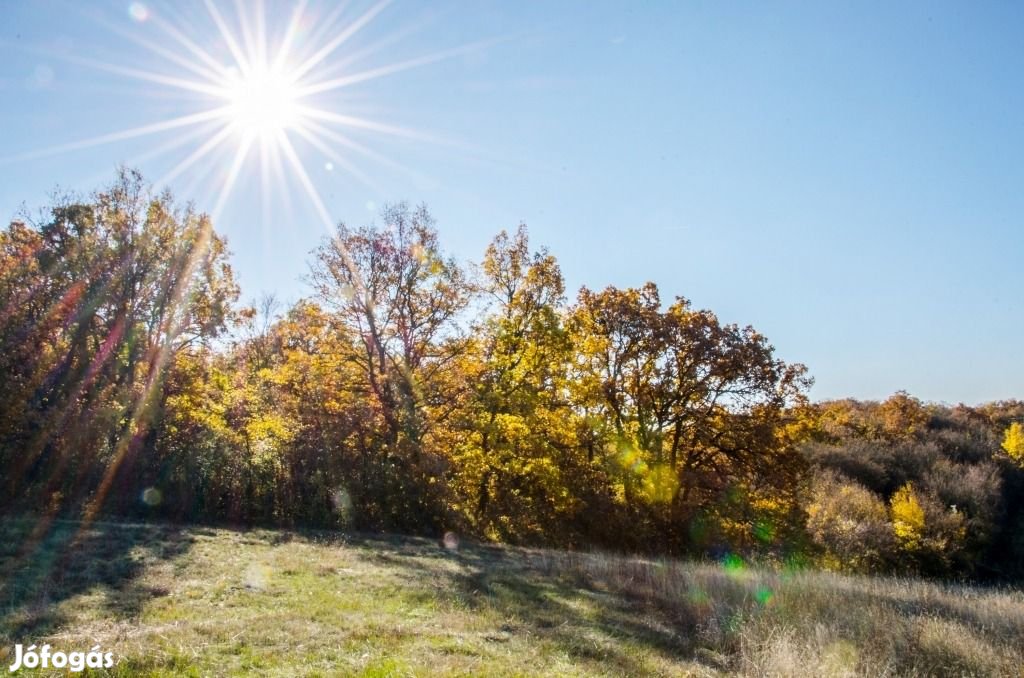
<point>811,623</point>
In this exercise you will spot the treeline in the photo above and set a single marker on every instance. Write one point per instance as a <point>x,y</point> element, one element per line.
<point>417,394</point>
<point>901,486</point>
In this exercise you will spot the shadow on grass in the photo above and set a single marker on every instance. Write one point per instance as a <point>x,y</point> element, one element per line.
<point>563,608</point>
<point>43,564</point>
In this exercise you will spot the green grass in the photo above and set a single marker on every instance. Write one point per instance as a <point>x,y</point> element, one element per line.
<point>200,601</point>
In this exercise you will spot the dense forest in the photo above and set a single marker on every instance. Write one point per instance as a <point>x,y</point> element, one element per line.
<point>415,393</point>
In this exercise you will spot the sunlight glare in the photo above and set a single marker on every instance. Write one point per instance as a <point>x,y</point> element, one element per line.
<point>263,96</point>
<point>262,102</point>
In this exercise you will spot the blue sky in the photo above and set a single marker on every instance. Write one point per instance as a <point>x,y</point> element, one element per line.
<point>847,177</point>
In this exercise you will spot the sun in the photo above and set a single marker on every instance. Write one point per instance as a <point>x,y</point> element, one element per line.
<point>261,91</point>
<point>263,102</point>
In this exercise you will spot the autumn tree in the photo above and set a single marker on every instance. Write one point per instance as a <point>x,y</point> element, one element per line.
<point>1013,442</point>
<point>413,393</point>
<point>333,465</point>
<point>930,535</point>
<point>850,524</point>
<point>400,297</point>
<point>515,438</point>
<point>684,407</point>
<point>107,292</point>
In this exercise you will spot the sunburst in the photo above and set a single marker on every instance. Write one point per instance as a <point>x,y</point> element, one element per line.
<point>260,100</point>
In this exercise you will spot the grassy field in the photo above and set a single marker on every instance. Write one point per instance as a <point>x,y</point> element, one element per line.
<point>197,601</point>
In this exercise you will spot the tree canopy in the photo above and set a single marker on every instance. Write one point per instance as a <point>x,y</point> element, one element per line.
<point>413,392</point>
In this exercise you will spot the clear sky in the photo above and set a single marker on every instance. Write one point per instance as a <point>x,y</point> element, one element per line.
<point>847,177</point>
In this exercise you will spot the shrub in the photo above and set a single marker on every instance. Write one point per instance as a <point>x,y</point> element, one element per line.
<point>850,524</point>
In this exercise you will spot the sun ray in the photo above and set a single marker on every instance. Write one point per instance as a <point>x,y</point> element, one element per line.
<point>307,184</point>
<point>201,177</point>
<point>227,36</point>
<point>189,45</point>
<point>264,184</point>
<point>373,73</point>
<point>142,411</point>
<point>249,40</point>
<point>144,130</point>
<point>318,203</point>
<point>336,158</point>
<point>232,176</point>
<point>351,30</point>
<point>261,31</point>
<point>339,65</point>
<point>246,39</point>
<point>325,27</point>
<point>210,75</point>
<point>162,149</point>
<point>279,174</point>
<point>361,123</point>
<point>289,35</point>
<point>208,88</point>
<point>347,142</point>
<point>176,142</point>
<point>197,155</point>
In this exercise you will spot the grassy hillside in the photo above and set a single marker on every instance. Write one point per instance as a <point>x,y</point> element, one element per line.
<point>172,601</point>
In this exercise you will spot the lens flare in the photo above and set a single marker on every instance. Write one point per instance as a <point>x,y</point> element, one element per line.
<point>152,496</point>
<point>138,11</point>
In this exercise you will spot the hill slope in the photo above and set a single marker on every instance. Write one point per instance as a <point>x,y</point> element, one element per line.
<point>171,601</point>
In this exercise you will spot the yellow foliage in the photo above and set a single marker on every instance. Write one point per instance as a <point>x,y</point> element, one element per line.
<point>907,517</point>
<point>659,484</point>
<point>902,415</point>
<point>851,523</point>
<point>1013,442</point>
